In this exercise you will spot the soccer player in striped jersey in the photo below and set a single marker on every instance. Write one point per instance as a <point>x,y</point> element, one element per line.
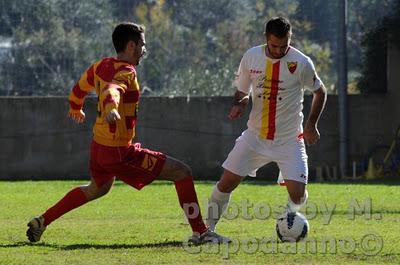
<point>275,74</point>
<point>112,152</point>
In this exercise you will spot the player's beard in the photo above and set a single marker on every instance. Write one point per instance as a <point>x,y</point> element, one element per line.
<point>274,55</point>
<point>142,57</point>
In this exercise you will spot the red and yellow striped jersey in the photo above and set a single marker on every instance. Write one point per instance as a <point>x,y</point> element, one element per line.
<point>117,88</point>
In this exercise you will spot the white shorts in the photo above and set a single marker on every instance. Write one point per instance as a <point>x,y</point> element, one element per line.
<point>251,152</point>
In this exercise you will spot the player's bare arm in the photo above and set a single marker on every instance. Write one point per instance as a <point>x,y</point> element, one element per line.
<point>311,133</point>
<point>239,104</point>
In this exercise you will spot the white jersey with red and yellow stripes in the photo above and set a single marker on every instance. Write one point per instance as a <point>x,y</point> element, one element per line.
<point>277,89</point>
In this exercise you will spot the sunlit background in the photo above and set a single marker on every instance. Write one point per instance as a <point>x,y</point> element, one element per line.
<point>194,46</point>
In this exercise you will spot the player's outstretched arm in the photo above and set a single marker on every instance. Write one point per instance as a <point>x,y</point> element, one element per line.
<point>311,133</point>
<point>78,94</point>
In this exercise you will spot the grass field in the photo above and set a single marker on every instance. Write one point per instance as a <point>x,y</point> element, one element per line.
<point>147,227</point>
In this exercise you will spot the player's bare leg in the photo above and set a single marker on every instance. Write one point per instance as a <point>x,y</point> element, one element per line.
<point>174,170</point>
<point>73,199</point>
<point>93,192</point>
<point>220,197</point>
<point>181,174</point>
<point>297,195</point>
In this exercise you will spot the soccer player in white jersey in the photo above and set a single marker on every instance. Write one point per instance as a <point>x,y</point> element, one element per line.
<point>275,74</point>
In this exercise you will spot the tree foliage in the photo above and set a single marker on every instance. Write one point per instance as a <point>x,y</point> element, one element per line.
<point>196,51</point>
<point>375,43</point>
<point>194,46</point>
<point>53,41</point>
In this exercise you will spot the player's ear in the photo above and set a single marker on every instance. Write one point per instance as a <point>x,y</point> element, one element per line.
<point>131,45</point>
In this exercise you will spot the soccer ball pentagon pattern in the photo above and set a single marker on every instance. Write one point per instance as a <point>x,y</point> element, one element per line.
<point>292,227</point>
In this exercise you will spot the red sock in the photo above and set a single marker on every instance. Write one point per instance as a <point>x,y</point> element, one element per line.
<point>188,201</point>
<point>71,200</point>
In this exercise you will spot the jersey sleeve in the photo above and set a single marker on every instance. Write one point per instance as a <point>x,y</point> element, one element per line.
<point>242,77</point>
<point>310,78</point>
<point>81,89</point>
<point>111,94</point>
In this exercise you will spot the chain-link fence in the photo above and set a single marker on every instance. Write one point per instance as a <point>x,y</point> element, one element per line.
<point>194,46</point>
<point>46,44</point>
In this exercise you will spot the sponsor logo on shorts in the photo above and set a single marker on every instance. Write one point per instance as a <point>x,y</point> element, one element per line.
<point>149,162</point>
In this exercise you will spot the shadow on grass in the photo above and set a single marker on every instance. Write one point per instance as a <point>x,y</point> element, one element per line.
<point>122,246</point>
<point>94,246</point>
<point>28,244</point>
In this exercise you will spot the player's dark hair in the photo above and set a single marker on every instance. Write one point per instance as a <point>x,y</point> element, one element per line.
<point>279,27</point>
<point>125,32</point>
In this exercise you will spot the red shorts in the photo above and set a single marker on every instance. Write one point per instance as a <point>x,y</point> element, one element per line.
<point>132,164</point>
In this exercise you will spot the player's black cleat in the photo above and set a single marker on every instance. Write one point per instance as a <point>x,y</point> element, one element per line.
<point>36,229</point>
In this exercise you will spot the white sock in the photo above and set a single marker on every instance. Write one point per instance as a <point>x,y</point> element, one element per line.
<point>293,207</point>
<point>217,205</point>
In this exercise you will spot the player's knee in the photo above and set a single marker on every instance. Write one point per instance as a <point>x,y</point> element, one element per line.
<point>88,192</point>
<point>102,191</point>
<point>183,170</point>
<point>93,192</point>
<point>228,182</point>
<point>174,170</point>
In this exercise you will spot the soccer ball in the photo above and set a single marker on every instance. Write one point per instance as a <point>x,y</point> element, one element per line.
<point>292,227</point>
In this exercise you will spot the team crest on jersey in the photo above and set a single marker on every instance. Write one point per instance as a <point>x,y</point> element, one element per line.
<point>292,66</point>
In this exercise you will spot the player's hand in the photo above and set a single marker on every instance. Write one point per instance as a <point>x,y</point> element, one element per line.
<point>112,116</point>
<point>311,134</point>
<point>236,112</point>
<point>77,116</point>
